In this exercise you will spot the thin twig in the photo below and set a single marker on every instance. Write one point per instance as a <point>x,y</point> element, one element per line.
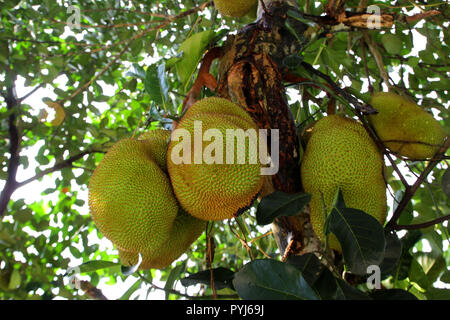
<point>12,102</point>
<point>31,92</point>
<point>422,225</point>
<point>411,190</point>
<point>129,42</point>
<point>377,56</point>
<point>64,164</point>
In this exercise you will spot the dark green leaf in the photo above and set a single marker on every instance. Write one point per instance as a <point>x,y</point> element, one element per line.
<point>347,292</point>
<point>418,275</point>
<point>445,276</point>
<point>331,288</point>
<point>446,182</point>
<point>438,294</point>
<point>173,276</point>
<point>95,265</point>
<point>280,204</point>
<point>361,237</point>
<point>156,84</point>
<point>392,43</point>
<point>274,280</point>
<point>223,278</point>
<point>308,264</point>
<point>392,252</point>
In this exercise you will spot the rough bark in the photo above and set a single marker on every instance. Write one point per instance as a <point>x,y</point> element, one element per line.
<point>251,74</point>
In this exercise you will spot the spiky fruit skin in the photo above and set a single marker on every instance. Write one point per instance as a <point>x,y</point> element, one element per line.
<point>131,199</point>
<point>186,229</point>
<point>235,8</point>
<point>158,141</point>
<point>341,154</point>
<point>405,128</point>
<point>215,191</point>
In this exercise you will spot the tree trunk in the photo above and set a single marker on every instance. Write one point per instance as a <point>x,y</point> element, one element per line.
<point>251,74</point>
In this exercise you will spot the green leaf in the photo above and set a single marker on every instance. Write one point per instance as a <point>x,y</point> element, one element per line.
<point>271,279</point>
<point>192,50</point>
<point>137,72</point>
<point>136,285</point>
<point>433,264</point>
<point>392,252</point>
<point>418,275</point>
<point>347,292</point>
<point>308,264</point>
<point>392,43</point>
<point>173,276</point>
<point>23,216</point>
<point>223,278</point>
<point>361,237</point>
<point>445,276</point>
<point>438,294</point>
<point>331,288</point>
<point>280,204</point>
<point>95,265</point>
<point>408,213</point>
<point>15,280</point>
<point>446,182</point>
<point>156,84</point>
<point>292,62</point>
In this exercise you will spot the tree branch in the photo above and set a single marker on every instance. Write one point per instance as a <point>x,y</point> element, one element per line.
<point>411,190</point>
<point>129,42</point>
<point>14,145</point>
<point>64,164</point>
<point>377,56</point>
<point>422,225</point>
<point>364,108</point>
<point>31,92</point>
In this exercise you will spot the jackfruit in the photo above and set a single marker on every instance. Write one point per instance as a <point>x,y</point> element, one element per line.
<point>130,197</point>
<point>158,142</point>
<point>340,153</point>
<point>186,229</point>
<point>211,182</point>
<point>235,8</point>
<point>133,204</point>
<point>404,127</point>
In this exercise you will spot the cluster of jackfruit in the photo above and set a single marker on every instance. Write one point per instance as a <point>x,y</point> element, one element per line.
<point>152,196</point>
<point>147,203</point>
<point>132,203</point>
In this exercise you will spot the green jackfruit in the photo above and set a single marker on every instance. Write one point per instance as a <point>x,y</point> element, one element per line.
<point>405,128</point>
<point>211,183</point>
<point>132,202</point>
<point>235,8</point>
<point>130,197</point>
<point>158,142</point>
<point>341,154</point>
<point>186,229</point>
